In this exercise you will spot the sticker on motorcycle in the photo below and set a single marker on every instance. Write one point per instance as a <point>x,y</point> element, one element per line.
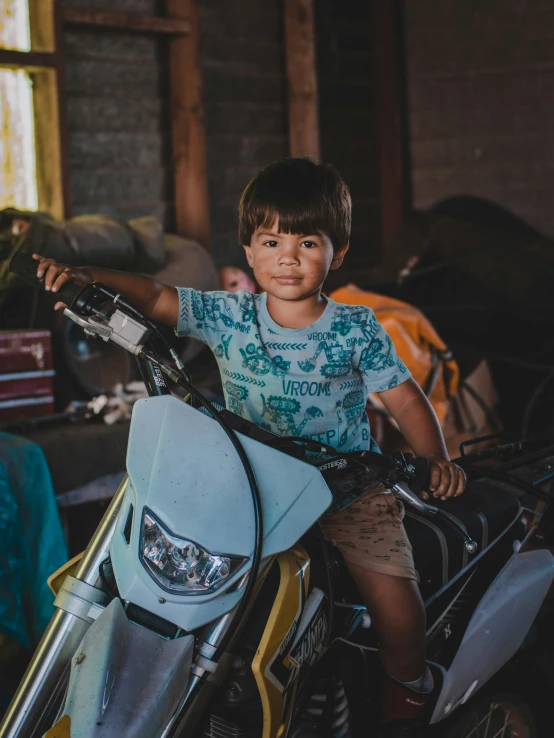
<point>337,463</point>
<point>309,647</point>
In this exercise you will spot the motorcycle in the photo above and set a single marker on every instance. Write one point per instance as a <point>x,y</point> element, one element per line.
<point>208,604</point>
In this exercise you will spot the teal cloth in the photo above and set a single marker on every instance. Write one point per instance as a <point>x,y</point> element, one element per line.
<point>32,544</point>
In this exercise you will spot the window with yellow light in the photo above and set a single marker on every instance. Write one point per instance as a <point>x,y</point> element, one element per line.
<point>30,159</point>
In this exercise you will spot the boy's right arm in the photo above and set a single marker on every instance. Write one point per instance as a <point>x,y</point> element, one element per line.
<point>157,301</point>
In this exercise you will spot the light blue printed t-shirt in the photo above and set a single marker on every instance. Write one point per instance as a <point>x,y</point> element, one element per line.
<point>310,381</point>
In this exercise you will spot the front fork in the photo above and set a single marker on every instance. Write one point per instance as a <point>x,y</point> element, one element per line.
<point>47,673</point>
<point>46,676</point>
<point>153,377</point>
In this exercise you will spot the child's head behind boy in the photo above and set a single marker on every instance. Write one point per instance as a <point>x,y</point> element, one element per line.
<point>294,224</point>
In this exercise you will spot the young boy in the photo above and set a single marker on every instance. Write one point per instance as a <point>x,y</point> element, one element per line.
<point>297,363</point>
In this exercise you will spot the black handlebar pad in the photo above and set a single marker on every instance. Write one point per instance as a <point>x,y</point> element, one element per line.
<point>422,474</point>
<point>26,267</point>
<point>416,471</point>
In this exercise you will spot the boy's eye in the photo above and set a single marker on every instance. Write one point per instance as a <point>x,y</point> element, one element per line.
<point>271,243</point>
<point>309,244</point>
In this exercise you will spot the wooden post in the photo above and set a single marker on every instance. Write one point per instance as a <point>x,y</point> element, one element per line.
<point>386,29</point>
<point>49,104</point>
<point>301,78</point>
<point>62,108</point>
<point>187,126</point>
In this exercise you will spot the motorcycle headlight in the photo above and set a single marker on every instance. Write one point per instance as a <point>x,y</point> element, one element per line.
<point>182,566</point>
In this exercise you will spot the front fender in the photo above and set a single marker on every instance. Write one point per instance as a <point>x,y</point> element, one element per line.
<point>125,680</point>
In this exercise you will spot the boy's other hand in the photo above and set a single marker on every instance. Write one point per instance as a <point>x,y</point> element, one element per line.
<point>56,275</point>
<point>447,480</point>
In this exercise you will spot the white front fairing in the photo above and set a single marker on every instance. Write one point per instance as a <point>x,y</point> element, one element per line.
<point>183,467</point>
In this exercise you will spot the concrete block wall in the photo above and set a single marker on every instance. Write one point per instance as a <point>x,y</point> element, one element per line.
<point>246,109</point>
<point>347,117</point>
<point>243,71</point>
<point>480,90</point>
<point>119,121</point>
<point>118,118</point>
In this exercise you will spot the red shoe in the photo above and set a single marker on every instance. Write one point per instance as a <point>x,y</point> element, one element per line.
<point>402,709</point>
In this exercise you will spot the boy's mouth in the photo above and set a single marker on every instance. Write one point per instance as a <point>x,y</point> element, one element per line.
<point>288,279</point>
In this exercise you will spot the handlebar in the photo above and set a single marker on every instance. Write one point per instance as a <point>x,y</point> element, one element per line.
<point>26,267</point>
<point>368,466</point>
<point>94,307</point>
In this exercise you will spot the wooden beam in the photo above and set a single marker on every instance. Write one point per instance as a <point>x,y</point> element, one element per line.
<point>63,132</point>
<point>192,212</point>
<point>26,59</point>
<point>301,78</point>
<point>126,22</point>
<point>48,144</point>
<point>386,37</point>
<point>41,22</point>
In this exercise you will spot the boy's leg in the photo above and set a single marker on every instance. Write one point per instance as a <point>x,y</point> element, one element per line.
<point>398,615</point>
<point>372,539</point>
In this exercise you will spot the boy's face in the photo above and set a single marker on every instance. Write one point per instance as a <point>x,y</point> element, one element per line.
<point>291,267</point>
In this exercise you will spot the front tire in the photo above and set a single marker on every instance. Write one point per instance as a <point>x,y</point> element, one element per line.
<point>493,716</point>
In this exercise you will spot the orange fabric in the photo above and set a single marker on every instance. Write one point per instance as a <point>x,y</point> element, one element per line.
<point>415,340</point>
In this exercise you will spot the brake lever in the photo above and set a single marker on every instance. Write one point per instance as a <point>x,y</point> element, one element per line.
<point>422,507</point>
<point>91,328</point>
<point>406,494</point>
<point>120,328</point>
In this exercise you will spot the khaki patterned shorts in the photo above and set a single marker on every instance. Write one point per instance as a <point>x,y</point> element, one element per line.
<point>370,534</point>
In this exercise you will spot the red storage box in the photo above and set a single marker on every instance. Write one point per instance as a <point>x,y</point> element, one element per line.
<point>25,407</point>
<point>26,384</point>
<point>25,351</point>
<point>25,375</point>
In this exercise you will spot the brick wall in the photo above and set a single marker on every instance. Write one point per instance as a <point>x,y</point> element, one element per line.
<point>480,91</point>
<point>118,110</point>
<point>347,119</point>
<point>245,103</point>
<point>118,118</point>
<point>119,124</point>
<point>246,109</point>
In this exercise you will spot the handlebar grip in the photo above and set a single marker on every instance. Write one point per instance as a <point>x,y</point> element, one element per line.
<point>422,474</point>
<point>26,267</point>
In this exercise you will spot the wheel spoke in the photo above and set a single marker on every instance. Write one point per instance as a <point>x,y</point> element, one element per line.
<point>489,727</point>
<point>502,732</point>
<point>476,732</point>
<point>488,719</point>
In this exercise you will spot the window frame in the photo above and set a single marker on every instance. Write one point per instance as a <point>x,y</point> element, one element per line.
<point>45,65</point>
<point>46,62</point>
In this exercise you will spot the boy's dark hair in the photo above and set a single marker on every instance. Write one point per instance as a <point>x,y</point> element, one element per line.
<point>303,196</point>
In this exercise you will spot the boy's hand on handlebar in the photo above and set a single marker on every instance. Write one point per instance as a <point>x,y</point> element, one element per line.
<point>56,275</point>
<point>447,479</point>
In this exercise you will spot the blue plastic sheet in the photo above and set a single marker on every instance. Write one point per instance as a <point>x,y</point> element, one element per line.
<point>32,544</point>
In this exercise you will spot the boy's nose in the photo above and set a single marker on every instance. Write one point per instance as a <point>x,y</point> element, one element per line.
<point>289,256</point>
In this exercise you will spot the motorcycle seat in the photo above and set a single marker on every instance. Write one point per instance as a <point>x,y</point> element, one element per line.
<point>486,509</point>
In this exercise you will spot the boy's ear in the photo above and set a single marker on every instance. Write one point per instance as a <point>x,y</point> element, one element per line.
<point>248,252</point>
<point>338,256</point>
